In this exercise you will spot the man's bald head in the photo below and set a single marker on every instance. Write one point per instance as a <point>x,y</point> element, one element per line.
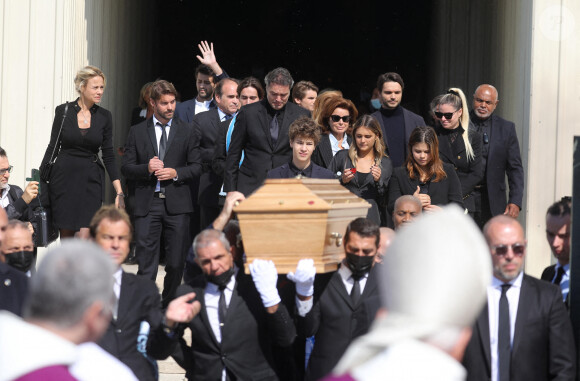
<point>485,100</point>
<point>406,209</point>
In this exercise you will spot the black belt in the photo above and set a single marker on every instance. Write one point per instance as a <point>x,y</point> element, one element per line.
<point>159,195</point>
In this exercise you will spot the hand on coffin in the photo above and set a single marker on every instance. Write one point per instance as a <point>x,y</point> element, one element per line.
<point>265,278</point>
<point>304,277</point>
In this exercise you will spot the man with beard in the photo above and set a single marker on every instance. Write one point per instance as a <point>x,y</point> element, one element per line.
<point>525,332</point>
<point>345,302</point>
<point>241,318</point>
<point>17,248</point>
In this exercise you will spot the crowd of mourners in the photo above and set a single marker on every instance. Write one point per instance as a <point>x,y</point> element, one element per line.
<point>431,285</point>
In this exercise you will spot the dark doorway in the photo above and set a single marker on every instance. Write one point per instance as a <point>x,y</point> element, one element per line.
<point>341,44</point>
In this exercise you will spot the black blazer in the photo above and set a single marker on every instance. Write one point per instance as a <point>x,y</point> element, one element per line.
<point>335,321</point>
<point>284,172</point>
<point>322,155</point>
<point>442,192</point>
<point>470,173</point>
<point>139,301</point>
<point>412,120</point>
<point>548,274</point>
<point>13,289</point>
<point>252,135</point>
<point>543,344</point>
<point>247,341</point>
<point>503,159</point>
<point>206,129</point>
<point>180,155</point>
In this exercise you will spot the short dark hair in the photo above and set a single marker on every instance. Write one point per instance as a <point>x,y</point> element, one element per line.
<point>3,152</point>
<point>206,70</point>
<point>304,127</point>
<point>111,213</point>
<point>559,208</point>
<point>162,87</point>
<point>300,89</point>
<point>389,77</point>
<point>220,85</point>
<point>252,82</point>
<point>279,76</point>
<point>365,228</point>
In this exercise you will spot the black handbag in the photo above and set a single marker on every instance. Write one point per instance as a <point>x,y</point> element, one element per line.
<point>46,168</point>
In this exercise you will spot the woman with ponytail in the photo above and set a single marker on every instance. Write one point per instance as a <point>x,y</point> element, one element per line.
<point>459,143</point>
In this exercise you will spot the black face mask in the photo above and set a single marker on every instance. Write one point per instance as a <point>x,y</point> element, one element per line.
<point>359,265</point>
<point>20,260</point>
<point>221,280</point>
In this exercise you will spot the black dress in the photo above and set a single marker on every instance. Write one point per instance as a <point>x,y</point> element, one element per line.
<point>76,185</point>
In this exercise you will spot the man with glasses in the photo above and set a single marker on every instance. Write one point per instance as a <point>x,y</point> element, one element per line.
<point>501,157</point>
<point>524,333</point>
<point>396,121</point>
<point>13,199</point>
<point>261,132</point>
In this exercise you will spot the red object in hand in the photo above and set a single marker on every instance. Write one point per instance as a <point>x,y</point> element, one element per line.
<point>353,170</point>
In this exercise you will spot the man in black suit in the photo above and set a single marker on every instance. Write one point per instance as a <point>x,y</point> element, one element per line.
<point>160,159</point>
<point>525,332</point>
<point>396,121</point>
<point>13,283</point>
<point>558,235</point>
<point>206,129</point>
<point>241,318</point>
<point>261,132</point>
<point>501,157</point>
<point>346,301</point>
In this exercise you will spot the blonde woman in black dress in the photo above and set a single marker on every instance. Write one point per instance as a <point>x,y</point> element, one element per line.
<point>78,175</point>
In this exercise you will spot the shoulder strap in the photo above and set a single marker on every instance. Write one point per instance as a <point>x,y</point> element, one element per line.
<point>58,139</point>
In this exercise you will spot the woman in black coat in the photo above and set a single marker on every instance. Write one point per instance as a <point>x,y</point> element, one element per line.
<point>364,169</point>
<point>424,175</point>
<point>77,179</point>
<point>459,145</point>
<point>336,119</point>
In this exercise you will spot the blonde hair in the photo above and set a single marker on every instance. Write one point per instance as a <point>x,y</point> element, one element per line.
<point>371,123</point>
<point>87,73</point>
<point>456,98</point>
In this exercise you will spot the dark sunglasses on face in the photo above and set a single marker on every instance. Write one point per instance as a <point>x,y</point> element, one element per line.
<point>336,118</point>
<point>517,248</point>
<point>4,170</point>
<point>446,115</point>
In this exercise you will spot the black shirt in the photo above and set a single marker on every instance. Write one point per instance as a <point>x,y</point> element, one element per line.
<point>394,122</point>
<point>306,172</point>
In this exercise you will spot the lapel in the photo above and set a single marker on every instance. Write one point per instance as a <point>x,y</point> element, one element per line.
<point>173,131</point>
<point>494,138</point>
<point>204,318</point>
<point>152,137</point>
<point>338,285</point>
<point>326,150</point>
<point>445,149</point>
<point>524,310</point>
<point>125,296</point>
<point>371,284</point>
<point>283,133</point>
<point>483,331</point>
<point>263,115</point>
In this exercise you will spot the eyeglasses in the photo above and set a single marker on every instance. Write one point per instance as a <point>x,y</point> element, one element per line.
<point>3,171</point>
<point>446,115</point>
<point>517,248</point>
<point>336,118</point>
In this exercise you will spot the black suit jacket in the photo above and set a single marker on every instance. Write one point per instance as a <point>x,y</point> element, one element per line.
<point>13,289</point>
<point>503,159</point>
<point>180,155</point>
<point>322,155</point>
<point>139,301</point>
<point>252,135</point>
<point>470,172</point>
<point>248,337</point>
<point>186,110</point>
<point>442,192</point>
<point>284,172</point>
<point>543,344</point>
<point>335,321</point>
<point>549,273</point>
<point>206,130</point>
<point>412,120</point>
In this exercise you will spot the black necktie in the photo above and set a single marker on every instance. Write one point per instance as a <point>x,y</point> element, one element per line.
<point>222,307</point>
<point>162,141</point>
<point>559,275</point>
<point>274,129</point>
<point>504,347</point>
<point>228,117</point>
<point>355,292</point>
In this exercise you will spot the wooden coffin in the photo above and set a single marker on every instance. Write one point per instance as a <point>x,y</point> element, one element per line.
<point>290,219</point>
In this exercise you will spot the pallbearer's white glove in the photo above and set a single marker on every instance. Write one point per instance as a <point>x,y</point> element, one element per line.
<point>265,278</point>
<point>304,277</point>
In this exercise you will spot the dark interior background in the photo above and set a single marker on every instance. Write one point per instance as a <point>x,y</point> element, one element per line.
<point>342,44</point>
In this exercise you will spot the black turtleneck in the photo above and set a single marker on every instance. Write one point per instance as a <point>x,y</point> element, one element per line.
<point>394,122</point>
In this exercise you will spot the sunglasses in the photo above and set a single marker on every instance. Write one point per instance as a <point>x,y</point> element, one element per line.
<point>517,248</point>
<point>3,171</point>
<point>336,118</point>
<point>446,115</point>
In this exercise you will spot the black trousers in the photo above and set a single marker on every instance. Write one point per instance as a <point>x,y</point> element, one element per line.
<point>176,237</point>
<point>483,210</point>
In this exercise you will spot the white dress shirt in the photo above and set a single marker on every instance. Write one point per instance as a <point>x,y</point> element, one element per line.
<point>493,296</point>
<point>201,106</point>
<point>334,144</point>
<point>4,201</point>
<point>212,298</point>
<point>158,132</point>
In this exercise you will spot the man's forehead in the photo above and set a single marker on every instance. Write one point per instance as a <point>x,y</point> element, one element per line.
<point>109,226</point>
<point>408,206</point>
<point>17,234</point>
